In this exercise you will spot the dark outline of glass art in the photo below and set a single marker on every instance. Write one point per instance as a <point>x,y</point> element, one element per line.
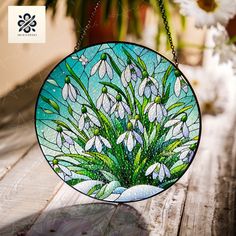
<point>133,139</point>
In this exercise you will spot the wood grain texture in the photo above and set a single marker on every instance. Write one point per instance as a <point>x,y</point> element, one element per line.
<point>26,189</point>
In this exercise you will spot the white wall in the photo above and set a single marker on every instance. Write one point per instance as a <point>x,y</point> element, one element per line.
<point>18,62</point>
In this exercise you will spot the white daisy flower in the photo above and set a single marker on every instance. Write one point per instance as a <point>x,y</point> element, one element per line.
<point>120,107</point>
<point>131,72</point>
<point>97,141</point>
<point>130,137</point>
<point>223,48</point>
<point>149,86</point>
<point>186,151</point>
<point>137,123</point>
<point>208,12</point>
<point>87,120</point>
<point>158,170</point>
<point>64,171</point>
<point>180,83</point>
<point>105,100</point>
<point>179,126</point>
<point>103,68</point>
<point>69,91</point>
<point>63,139</point>
<point>156,110</point>
<point>82,59</point>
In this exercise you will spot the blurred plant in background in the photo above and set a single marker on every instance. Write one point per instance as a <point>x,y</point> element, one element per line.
<point>115,19</point>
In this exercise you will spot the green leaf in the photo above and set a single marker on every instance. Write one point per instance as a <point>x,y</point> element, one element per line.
<point>86,159</point>
<point>166,95</point>
<point>177,104</point>
<point>114,66</point>
<point>137,158</point>
<point>178,168</point>
<point>47,111</point>
<point>45,99</point>
<point>168,183</point>
<point>146,137</point>
<point>173,145</point>
<point>141,63</point>
<point>54,105</point>
<point>166,75</point>
<point>153,134</point>
<point>61,123</point>
<point>109,176</point>
<point>70,110</point>
<point>138,170</point>
<point>87,173</point>
<point>51,103</point>
<point>104,158</point>
<point>73,182</point>
<point>107,189</point>
<point>183,110</point>
<point>101,191</point>
<point>93,189</point>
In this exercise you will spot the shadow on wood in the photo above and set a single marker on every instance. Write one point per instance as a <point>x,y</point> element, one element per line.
<point>17,106</point>
<point>85,219</point>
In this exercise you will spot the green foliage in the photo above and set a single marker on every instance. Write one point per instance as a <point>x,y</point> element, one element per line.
<point>115,165</point>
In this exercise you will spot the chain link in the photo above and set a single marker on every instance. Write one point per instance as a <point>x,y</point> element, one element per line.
<point>77,46</point>
<point>166,24</point>
<point>165,21</point>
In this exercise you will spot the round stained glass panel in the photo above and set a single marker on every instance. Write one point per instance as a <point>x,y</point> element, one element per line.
<point>118,122</point>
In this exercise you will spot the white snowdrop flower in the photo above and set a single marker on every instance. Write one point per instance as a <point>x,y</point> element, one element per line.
<point>137,123</point>
<point>180,83</point>
<point>69,91</point>
<point>186,151</point>
<point>131,72</point>
<point>64,171</point>
<point>158,170</point>
<point>130,137</point>
<point>179,126</point>
<point>105,100</point>
<point>63,139</point>
<point>87,120</point>
<point>120,108</point>
<point>156,110</point>
<point>97,141</point>
<point>208,13</point>
<point>82,59</point>
<point>103,68</point>
<point>149,86</point>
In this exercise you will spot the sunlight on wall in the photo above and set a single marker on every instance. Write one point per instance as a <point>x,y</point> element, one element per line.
<point>18,62</point>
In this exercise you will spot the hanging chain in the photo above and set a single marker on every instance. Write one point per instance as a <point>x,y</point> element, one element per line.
<point>166,24</point>
<point>77,46</point>
<point>165,21</point>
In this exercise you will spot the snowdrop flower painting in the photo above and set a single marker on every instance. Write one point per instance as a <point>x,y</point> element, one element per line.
<point>68,91</point>
<point>121,124</point>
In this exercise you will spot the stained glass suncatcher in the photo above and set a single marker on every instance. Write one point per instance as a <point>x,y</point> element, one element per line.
<point>118,122</point>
